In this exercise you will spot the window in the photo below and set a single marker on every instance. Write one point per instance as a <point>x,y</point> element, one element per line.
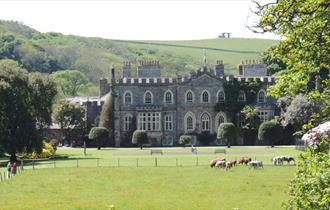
<point>221,96</point>
<point>127,122</point>
<point>241,96</point>
<point>127,98</point>
<point>240,120</point>
<point>205,97</point>
<point>149,121</point>
<point>190,125</point>
<point>168,97</point>
<point>205,122</point>
<point>219,118</point>
<point>263,116</point>
<point>168,140</point>
<point>168,123</point>
<point>189,97</point>
<point>148,98</point>
<point>261,96</point>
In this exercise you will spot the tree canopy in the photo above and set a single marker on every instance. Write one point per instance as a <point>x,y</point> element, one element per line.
<point>25,107</point>
<point>98,134</point>
<point>70,82</point>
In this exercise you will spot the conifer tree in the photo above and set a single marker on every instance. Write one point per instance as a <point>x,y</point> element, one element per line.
<point>107,116</point>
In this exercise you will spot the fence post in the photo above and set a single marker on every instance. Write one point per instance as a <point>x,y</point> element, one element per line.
<point>98,162</point>
<point>156,162</point>
<point>255,158</point>
<point>33,164</point>
<point>77,163</point>
<point>118,162</point>
<point>137,162</point>
<point>22,165</point>
<point>176,162</point>
<point>196,161</point>
<point>54,163</point>
<point>0,177</point>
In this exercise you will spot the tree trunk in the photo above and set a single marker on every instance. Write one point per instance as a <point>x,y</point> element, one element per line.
<point>13,157</point>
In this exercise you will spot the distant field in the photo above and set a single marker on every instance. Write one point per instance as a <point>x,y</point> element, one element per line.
<point>136,183</point>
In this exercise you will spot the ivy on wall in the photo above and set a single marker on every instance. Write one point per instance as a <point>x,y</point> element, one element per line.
<point>231,105</point>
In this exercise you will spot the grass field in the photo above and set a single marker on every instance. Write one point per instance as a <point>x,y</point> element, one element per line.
<point>148,187</point>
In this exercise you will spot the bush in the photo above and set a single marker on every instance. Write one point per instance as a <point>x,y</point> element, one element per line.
<point>185,139</point>
<point>227,131</point>
<point>98,134</point>
<point>270,132</point>
<point>205,138</point>
<point>47,152</point>
<point>310,187</point>
<point>139,137</point>
<point>54,143</point>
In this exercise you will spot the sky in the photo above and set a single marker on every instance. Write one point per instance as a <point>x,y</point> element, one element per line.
<point>136,20</point>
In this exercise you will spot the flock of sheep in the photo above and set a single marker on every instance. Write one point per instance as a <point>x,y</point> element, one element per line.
<point>222,163</point>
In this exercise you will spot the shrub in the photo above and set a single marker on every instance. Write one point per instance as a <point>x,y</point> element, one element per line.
<point>205,138</point>
<point>54,143</point>
<point>98,134</point>
<point>47,152</point>
<point>270,131</point>
<point>185,139</point>
<point>139,137</point>
<point>310,187</point>
<point>227,131</point>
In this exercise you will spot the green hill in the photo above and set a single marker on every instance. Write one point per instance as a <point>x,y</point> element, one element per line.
<point>49,52</point>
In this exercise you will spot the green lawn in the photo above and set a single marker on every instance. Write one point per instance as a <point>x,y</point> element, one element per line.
<point>129,179</point>
<point>147,188</point>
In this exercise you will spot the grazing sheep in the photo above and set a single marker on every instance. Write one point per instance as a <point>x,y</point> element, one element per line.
<point>214,161</point>
<point>255,164</point>
<point>229,165</point>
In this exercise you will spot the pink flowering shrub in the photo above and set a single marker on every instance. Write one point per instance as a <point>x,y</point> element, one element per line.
<point>314,136</point>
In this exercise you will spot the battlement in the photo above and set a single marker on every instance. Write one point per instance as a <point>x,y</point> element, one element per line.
<point>252,68</point>
<point>148,69</point>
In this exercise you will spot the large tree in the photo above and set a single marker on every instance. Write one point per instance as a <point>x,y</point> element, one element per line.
<point>70,82</point>
<point>72,120</point>
<point>22,112</point>
<point>251,124</point>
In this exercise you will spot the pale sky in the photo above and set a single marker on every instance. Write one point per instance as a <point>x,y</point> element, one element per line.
<point>136,20</point>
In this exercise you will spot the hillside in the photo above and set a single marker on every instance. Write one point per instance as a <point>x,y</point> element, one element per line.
<point>49,52</point>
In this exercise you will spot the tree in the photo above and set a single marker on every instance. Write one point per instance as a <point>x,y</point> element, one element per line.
<point>71,118</point>
<point>251,123</point>
<point>305,52</point>
<point>270,131</point>
<point>205,138</point>
<point>70,82</point>
<point>299,112</point>
<point>21,112</point>
<point>107,116</point>
<point>98,134</point>
<point>227,131</point>
<point>310,187</point>
<point>139,137</point>
<point>185,139</point>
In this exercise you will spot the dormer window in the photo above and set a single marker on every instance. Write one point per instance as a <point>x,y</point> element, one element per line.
<point>148,98</point>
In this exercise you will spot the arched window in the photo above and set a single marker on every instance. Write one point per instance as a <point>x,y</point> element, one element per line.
<point>189,97</point>
<point>219,118</point>
<point>241,96</point>
<point>168,97</point>
<point>148,98</point>
<point>261,96</point>
<point>221,96</point>
<point>128,98</point>
<point>189,122</point>
<point>205,122</point>
<point>127,122</point>
<point>205,97</point>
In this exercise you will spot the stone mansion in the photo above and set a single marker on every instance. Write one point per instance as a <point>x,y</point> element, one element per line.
<point>167,107</point>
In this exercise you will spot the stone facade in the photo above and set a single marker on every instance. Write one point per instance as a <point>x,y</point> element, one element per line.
<point>167,107</point>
